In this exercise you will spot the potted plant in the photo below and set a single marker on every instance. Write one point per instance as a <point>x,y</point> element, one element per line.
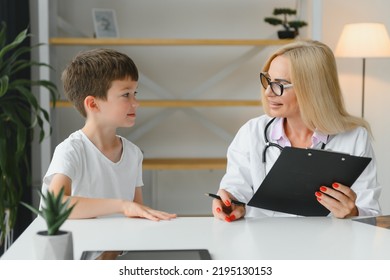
<point>53,243</point>
<point>291,28</point>
<point>20,113</point>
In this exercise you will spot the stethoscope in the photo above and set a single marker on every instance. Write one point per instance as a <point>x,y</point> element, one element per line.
<point>269,144</point>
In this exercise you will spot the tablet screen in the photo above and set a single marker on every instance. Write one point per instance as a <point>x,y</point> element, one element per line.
<point>190,254</point>
<point>379,221</point>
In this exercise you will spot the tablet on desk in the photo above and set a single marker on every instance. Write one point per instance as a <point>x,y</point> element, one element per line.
<point>182,254</point>
<point>379,221</point>
<point>297,174</point>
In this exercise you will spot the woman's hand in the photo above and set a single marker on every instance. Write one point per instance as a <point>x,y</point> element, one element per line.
<point>133,209</point>
<point>339,200</point>
<point>225,210</point>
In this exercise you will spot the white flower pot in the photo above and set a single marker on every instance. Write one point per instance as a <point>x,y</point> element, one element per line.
<point>53,247</point>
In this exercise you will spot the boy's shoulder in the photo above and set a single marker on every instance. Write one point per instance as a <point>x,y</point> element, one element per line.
<point>75,141</point>
<point>78,143</point>
<point>127,144</point>
<point>76,136</point>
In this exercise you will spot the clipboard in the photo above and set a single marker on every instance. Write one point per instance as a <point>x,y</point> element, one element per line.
<point>297,174</point>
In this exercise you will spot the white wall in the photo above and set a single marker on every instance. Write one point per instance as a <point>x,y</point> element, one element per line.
<point>377,83</point>
<point>180,69</point>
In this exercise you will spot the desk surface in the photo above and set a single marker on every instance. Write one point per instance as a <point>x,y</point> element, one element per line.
<point>251,238</point>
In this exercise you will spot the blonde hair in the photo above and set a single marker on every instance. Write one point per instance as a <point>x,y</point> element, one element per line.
<point>313,73</point>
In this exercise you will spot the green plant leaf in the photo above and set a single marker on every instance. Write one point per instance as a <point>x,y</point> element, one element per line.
<point>17,41</point>
<point>3,85</point>
<point>297,24</point>
<point>3,39</point>
<point>20,113</point>
<point>284,11</point>
<point>12,59</point>
<point>55,210</point>
<point>60,219</point>
<point>273,21</point>
<point>32,209</point>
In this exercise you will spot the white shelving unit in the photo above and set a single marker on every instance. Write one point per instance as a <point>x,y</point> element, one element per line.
<point>179,163</point>
<point>167,103</point>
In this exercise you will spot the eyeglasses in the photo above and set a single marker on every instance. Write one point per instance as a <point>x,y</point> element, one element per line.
<point>276,87</point>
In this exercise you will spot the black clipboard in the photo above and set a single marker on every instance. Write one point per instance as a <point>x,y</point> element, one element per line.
<point>297,174</point>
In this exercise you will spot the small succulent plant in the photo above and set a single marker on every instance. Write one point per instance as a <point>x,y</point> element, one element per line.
<point>54,211</point>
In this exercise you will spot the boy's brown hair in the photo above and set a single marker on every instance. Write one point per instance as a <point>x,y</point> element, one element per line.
<point>92,73</point>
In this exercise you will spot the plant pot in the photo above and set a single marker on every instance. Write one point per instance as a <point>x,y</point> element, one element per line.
<point>287,34</point>
<point>7,234</point>
<point>53,247</point>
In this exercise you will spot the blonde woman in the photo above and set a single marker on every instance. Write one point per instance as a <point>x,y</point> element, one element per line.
<point>304,109</point>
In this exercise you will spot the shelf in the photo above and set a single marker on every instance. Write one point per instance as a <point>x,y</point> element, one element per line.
<point>175,163</point>
<point>199,103</point>
<point>165,42</point>
<point>185,103</point>
<point>184,163</point>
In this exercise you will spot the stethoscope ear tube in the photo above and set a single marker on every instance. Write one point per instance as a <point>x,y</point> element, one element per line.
<point>267,142</point>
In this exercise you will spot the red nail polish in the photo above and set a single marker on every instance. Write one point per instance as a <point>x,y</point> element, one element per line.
<point>335,185</point>
<point>227,202</point>
<point>319,199</point>
<point>232,217</point>
<point>323,189</point>
<point>218,209</point>
<point>318,194</point>
<point>227,219</point>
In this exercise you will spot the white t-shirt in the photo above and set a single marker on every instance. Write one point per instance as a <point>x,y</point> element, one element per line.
<point>93,174</point>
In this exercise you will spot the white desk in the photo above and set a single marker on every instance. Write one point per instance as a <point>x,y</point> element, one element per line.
<point>250,238</point>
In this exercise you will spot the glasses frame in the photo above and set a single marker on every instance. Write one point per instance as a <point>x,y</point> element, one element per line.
<point>264,77</point>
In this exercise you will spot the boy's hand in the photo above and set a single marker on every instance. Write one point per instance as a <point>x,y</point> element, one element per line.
<point>133,209</point>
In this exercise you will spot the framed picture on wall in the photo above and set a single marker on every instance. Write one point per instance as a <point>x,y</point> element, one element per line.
<point>105,24</point>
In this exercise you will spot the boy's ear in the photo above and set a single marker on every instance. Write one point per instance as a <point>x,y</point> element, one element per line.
<point>90,104</point>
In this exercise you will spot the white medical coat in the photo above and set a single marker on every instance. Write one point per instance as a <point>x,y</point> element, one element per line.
<point>246,171</point>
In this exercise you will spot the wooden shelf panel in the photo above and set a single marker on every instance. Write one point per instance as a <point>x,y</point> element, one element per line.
<point>185,103</point>
<point>198,103</point>
<point>175,163</point>
<point>184,163</point>
<point>165,42</point>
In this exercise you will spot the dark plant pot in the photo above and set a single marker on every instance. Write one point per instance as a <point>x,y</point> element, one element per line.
<point>286,34</point>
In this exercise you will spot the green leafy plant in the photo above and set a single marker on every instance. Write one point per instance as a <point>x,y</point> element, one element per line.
<point>54,211</point>
<point>20,113</point>
<point>292,25</point>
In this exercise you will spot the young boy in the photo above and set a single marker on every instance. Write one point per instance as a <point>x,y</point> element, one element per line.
<point>101,171</point>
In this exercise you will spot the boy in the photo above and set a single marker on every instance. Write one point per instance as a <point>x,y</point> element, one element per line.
<point>101,171</point>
